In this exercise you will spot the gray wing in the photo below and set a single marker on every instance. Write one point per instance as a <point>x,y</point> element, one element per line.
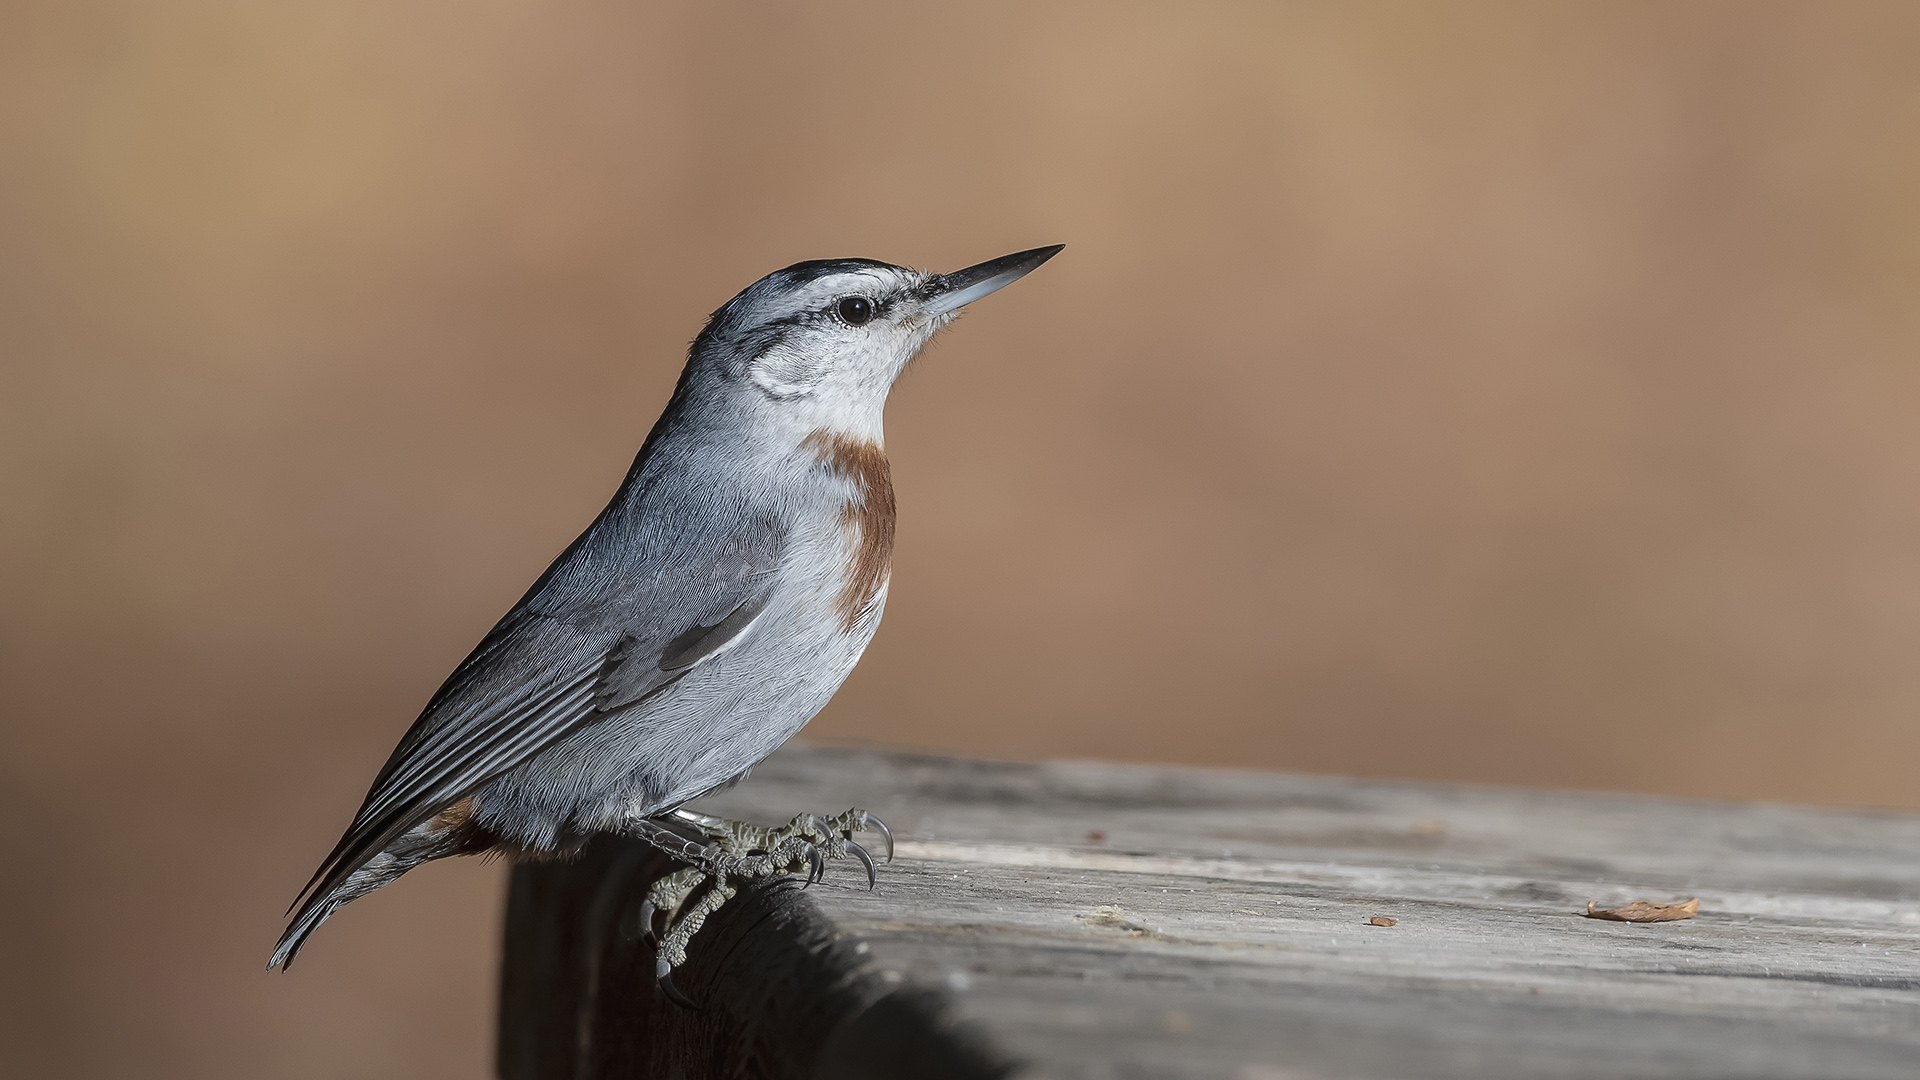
<point>616,618</point>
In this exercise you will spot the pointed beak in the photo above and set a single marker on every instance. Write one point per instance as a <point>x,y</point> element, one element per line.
<point>949,292</point>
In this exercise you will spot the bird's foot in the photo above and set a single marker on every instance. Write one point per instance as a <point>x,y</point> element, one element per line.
<point>738,851</point>
<point>810,835</point>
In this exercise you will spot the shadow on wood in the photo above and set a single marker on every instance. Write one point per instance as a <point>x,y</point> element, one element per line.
<point>782,994</point>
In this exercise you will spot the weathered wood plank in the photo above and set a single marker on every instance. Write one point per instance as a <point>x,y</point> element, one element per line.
<point>784,994</point>
<point>1109,921</point>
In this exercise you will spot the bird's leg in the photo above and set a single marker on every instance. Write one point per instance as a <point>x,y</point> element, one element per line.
<point>734,837</point>
<point>738,851</point>
<point>673,947</point>
<point>669,894</point>
<point>665,896</point>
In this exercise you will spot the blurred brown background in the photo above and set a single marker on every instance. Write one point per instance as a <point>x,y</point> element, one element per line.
<point>1506,392</point>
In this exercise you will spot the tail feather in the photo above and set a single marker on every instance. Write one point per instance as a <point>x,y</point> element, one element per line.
<point>424,843</point>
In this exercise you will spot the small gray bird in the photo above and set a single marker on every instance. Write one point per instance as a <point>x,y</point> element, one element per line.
<point>702,619</point>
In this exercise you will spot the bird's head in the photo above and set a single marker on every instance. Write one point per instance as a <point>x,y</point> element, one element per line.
<point>818,344</point>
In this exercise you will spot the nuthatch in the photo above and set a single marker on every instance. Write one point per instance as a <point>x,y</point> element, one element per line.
<point>702,619</point>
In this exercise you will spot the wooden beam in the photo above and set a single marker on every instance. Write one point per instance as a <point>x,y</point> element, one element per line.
<point>1082,920</point>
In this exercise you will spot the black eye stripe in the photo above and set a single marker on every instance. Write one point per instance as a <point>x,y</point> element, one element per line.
<point>854,310</point>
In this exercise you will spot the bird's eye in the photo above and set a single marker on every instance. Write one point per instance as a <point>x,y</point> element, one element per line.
<point>856,310</point>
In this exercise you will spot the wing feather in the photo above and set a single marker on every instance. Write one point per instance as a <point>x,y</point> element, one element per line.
<point>583,630</point>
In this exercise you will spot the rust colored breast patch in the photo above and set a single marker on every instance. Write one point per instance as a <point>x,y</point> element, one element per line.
<point>868,517</point>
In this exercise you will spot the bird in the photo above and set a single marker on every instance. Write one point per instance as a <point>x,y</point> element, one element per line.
<point>703,618</point>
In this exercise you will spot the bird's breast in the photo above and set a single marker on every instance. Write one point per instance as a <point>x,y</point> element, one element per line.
<point>866,519</point>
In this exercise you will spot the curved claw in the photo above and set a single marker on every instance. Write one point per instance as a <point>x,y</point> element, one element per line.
<point>866,860</point>
<point>884,831</point>
<point>663,973</point>
<point>646,923</point>
<point>816,866</point>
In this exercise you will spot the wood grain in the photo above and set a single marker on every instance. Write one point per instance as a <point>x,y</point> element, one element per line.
<point>1084,920</point>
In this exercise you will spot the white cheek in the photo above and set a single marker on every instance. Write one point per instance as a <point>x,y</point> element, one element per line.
<point>785,373</point>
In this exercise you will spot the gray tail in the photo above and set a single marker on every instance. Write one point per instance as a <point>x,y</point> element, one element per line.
<point>422,844</point>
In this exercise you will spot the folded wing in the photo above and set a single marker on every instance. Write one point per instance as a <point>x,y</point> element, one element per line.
<point>592,636</point>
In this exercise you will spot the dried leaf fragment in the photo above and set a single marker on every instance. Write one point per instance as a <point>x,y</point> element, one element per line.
<point>1110,917</point>
<point>1641,911</point>
<point>1382,920</point>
